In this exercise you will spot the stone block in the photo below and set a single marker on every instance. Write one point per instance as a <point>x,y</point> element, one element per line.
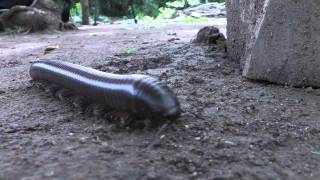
<point>242,17</point>
<point>278,42</point>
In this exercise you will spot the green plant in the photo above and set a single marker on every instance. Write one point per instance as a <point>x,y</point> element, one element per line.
<point>129,50</point>
<point>166,13</point>
<point>194,2</point>
<point>76,10</point>
<point>219,1</point>
<point>195,20</point>
<point>146,19</point>
<point>147,8</point>
<point>76,13</point>
<point>180,4</point>
<point>176,4</point>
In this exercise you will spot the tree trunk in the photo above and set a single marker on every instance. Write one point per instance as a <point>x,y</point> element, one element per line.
<point>85,11</point>
<point>96,11</point>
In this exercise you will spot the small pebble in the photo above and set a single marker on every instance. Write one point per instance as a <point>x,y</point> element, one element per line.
<point>309,89</point>
<point>262,93</point>
<point>229,142</point>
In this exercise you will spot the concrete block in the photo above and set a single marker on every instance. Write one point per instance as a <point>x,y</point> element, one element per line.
<point>286,45</point>
<point>242,18</point>
<point>277,42</point>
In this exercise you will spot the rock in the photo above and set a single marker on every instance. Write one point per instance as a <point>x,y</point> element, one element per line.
<point>158,72</point>
<point>309,89</point>
<point>262,93</point>
<point>210,111</point>
<point>211,35</point>
<point>317,92</point>
<point>44,16</point>
<point>196,80</point>
<point>274,45</point>
<point>206,10</point>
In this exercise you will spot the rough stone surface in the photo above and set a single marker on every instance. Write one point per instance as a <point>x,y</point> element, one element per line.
<point>287,47</point>
<point>242,18</point>
<point>213,9</point>
<point>210,35</point>
<point>277,42</point>
<point>45,15</point>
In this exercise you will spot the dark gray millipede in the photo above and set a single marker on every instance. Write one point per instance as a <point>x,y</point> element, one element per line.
<point>140,94</point>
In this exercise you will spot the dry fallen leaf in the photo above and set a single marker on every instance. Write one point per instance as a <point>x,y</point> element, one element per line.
<point>50,48</point>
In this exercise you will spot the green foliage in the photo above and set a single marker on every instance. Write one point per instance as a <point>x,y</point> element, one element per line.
<point>76,9</point>
<point>145,10</point>
<point>176,4</point>
<point>76,13</point>
<point>194,2</point>
<point>129,51</point>
<point>145,19</point>
<point>195,20</point>
<point>166,13</point>
<point>120,8</point>
<point>179,4</point>
<point>219,1</point>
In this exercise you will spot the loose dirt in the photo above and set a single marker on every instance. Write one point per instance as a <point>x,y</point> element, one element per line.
<point>230,128</point>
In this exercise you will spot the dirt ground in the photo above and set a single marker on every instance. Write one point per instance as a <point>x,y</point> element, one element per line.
<point>230,128</point>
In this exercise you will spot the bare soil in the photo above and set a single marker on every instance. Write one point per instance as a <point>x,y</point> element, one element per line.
<point>230,128</point>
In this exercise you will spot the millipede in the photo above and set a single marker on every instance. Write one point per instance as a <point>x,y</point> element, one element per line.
<point>134,93</point>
